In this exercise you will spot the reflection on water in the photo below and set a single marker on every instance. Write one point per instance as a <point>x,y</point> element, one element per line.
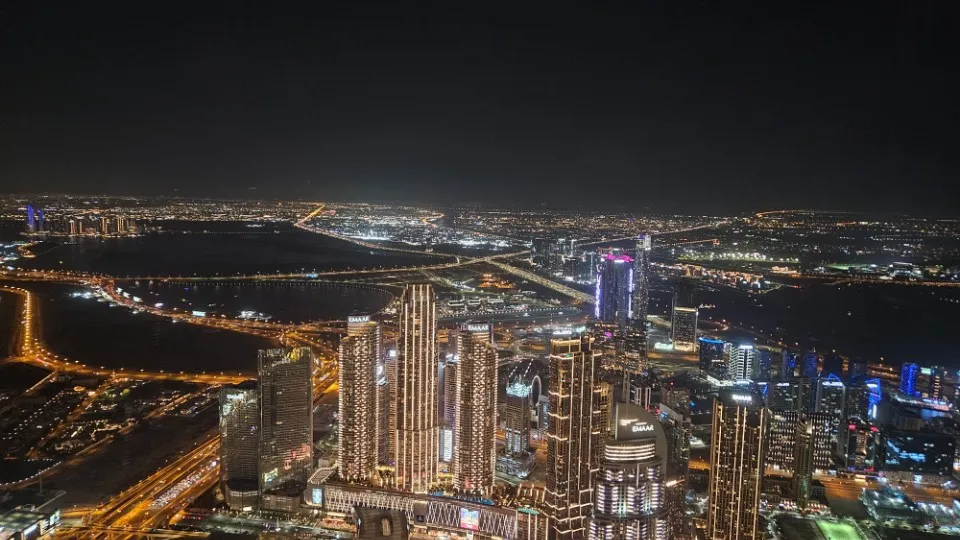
<point>226,253</point>
<point>283,301</point>
<point>96,334</point>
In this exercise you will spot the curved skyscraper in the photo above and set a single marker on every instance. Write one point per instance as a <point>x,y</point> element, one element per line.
<point>418,429</point>
<point>630,487</point>
<point>358,449</point>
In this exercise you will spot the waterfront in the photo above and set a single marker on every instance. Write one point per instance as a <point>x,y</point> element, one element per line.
<point>282,301</point>
<point>214,248</point>
<point>96,334</point>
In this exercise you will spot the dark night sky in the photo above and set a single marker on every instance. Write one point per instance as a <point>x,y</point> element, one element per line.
<point>665,104</point>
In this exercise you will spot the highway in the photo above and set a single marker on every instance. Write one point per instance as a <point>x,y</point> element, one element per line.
<point>30,350</point>
<point>153,501</point>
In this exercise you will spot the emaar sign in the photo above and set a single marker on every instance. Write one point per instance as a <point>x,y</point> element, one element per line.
<point>638,428</point>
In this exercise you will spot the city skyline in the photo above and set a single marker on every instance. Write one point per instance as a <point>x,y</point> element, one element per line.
<point>648,271</point>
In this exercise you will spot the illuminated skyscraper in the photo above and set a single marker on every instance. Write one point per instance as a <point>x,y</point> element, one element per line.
<point>239,445</point>
<point>803,464</point>
<point>31,219</point>
<point>788,365</point>
<point>683,330</point>
<point>908,379</point>
<point>782,437</point>
<point>641,279</point>
<point>830,397</point>
<point>358,451</point>
<point>810,365</point>
<point>418,431</point>
<point>615,289</point>
<point>821,440</point>
<point>573,435</point>
<point>712,358</point>
<point>388,412</point>
<point>629,492</point>
<point>286,417</point>
<point>450,383</point>
<point>737,459</point>
<point>857,446</point>
<point>384,435</point>
<point>474,457</point>
<point>517,419</point>
<point>743,362</point>
<point>786,396</point>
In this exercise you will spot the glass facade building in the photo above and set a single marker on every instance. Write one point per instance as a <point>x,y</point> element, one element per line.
<point>286,417</point>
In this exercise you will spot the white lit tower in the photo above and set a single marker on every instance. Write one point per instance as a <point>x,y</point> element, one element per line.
<point>417,434</point>
<point>358,450</point>
<point>641,279</point>
<point>474,456</point>
<point>737,458</point>
<point>630,486</point>
<point>573,435</point>
<point>517,419</point>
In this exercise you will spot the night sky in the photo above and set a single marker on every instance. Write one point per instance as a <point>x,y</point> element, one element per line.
<point>664,105</point>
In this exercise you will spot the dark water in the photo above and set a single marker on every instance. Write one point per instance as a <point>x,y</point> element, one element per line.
<point>897,322</point>
<point>98,335</point>
<point>284,301</point>
<point>226,249</point>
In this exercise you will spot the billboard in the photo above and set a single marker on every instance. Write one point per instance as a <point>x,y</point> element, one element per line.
<point>469,519</point>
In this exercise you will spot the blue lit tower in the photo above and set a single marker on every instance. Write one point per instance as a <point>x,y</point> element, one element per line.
<point>788,365</point>
<point>641,278</point>
<point>614,289</point>
<point>908,378</point>
<point>31,219</point>
<point>809,365</point>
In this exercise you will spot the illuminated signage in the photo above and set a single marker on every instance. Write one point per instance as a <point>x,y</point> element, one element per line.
<point>316,497</point>
<point>199,313</point>
<point>358,319</point>
<point>638,428</point>
<point>478,328</point>
<point>742,398</point>
<point>469,519</point>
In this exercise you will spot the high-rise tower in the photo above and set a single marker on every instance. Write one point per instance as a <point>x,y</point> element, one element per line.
<point>286,417</point>
<point>683,329</point>
<point>615,289</point>
<point>744,362</point>
<point>357,453</point>
<point>239,445</point>
<point>737,455</point>
<point>418,431</point>
<point>474,457</point>
<point>629,492</point>
<point>573,435</point>
<point>641,279</point>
